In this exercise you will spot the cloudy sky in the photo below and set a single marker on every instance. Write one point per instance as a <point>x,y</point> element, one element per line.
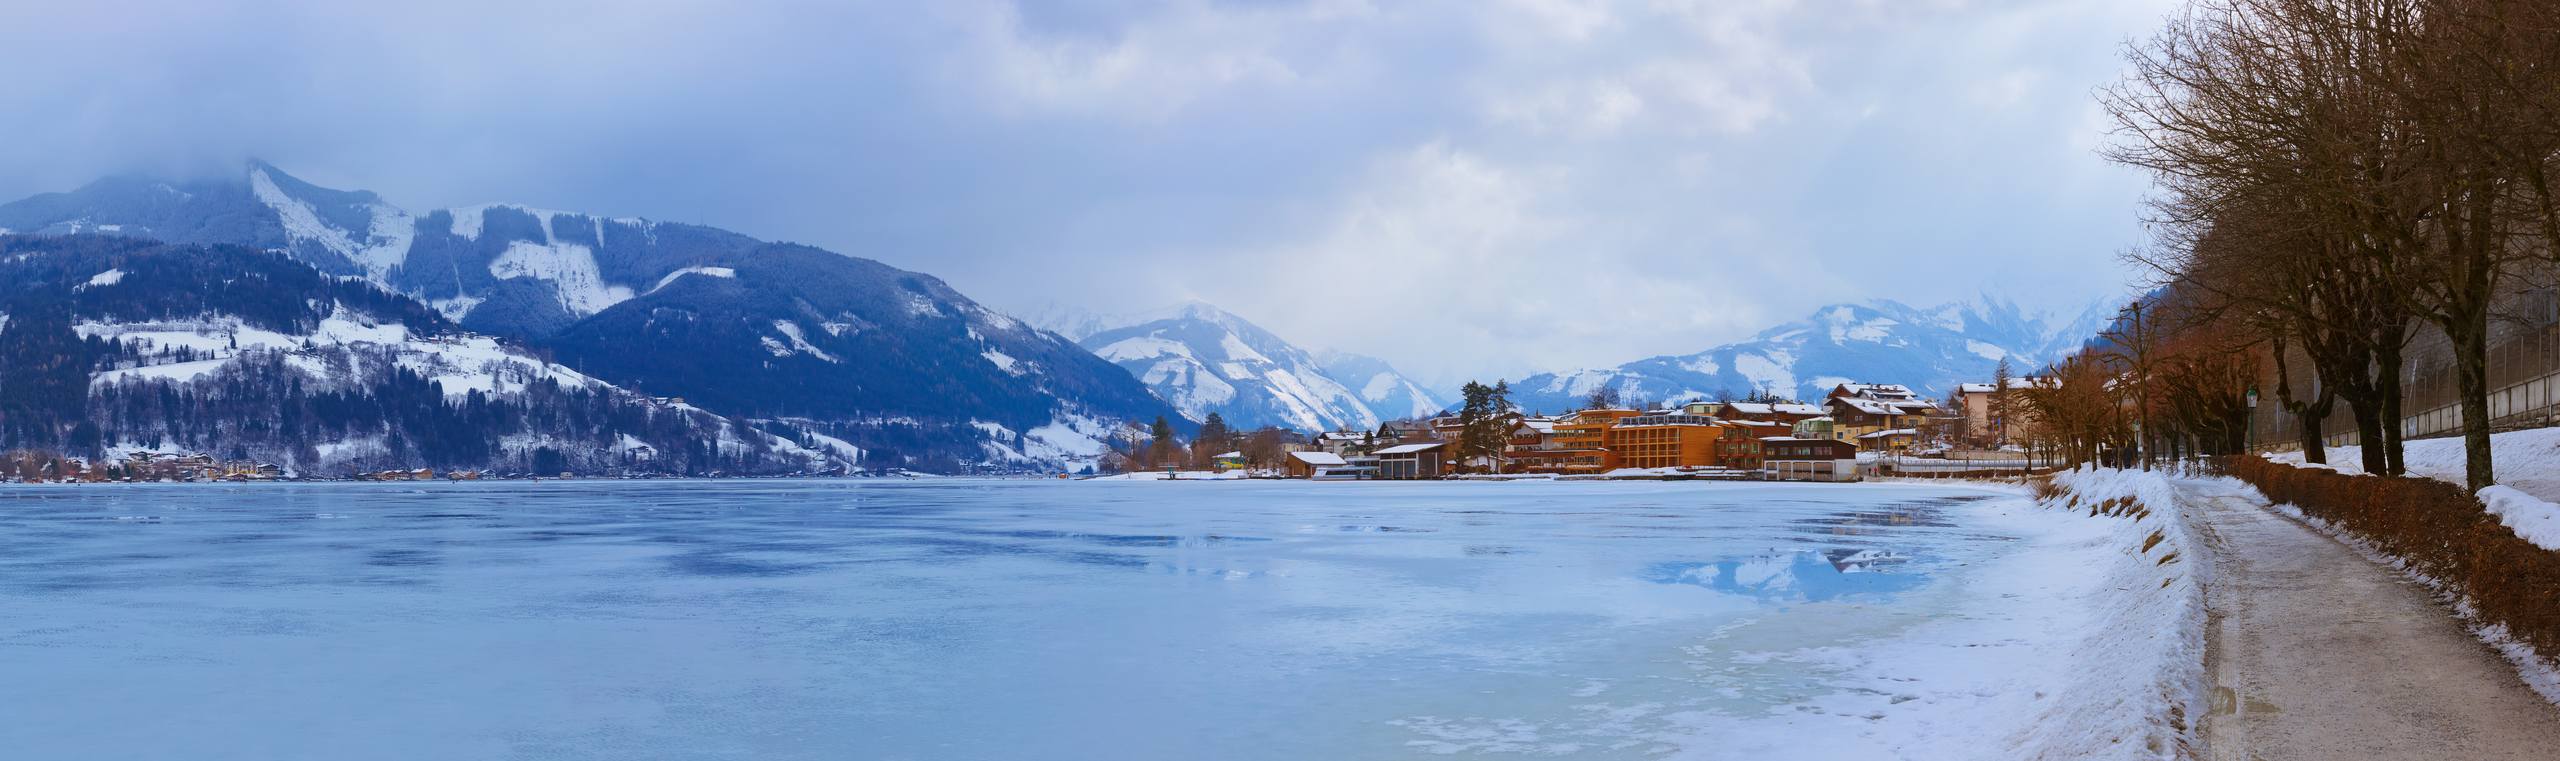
<point>1463,187</point>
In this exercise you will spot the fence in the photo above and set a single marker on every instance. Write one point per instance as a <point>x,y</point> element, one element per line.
<point>2524,382</point>
<point>1920,467</point>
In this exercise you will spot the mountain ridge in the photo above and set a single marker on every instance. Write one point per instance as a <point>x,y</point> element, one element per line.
<point>118,344</point>
<point>870,335</point>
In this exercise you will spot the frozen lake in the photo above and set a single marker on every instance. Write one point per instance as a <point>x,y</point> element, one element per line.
<point>960,619</point>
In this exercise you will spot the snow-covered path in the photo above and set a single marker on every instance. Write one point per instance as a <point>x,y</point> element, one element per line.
<point>2316,653</point>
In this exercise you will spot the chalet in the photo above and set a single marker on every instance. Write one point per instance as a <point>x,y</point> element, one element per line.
<point>1896,440</point>
<point>1786,458</point>
<point>1341,443</point>
<point>1392,433</point>
<point>1545,445</point>
<point>1858,409</point>
<point>1313,464</point>
<point>1768,412</point>
<point>1410,462</point>
<point>249,471</point>
<point>1738,446</point>
<point>1882,392</point>
<point>1972,401</point>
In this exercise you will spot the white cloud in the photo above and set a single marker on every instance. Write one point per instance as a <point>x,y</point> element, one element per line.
<point>1151,66</point>
<point>1677,68</point>
<point>1597,107</point>
<point>2005,90</point>
<point>1475,268</point>
<point>1572,20</point>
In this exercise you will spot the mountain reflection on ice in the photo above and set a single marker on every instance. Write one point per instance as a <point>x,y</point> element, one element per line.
<point>1807,576</point>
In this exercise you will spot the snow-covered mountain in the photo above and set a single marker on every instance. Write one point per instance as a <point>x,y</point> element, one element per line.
<point>896,361</point>
<point>1881,341</point>
<point>1203,359</point>
<point>133,344</point>
<point>1388,393</point>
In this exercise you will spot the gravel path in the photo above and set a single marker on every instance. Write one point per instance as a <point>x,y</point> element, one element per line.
<point>2316,653</point>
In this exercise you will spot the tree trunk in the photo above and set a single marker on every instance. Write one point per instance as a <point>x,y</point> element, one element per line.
<point>2367,413</point>
<point>2313,450</point>
<point>2471,380</point>
<point>2395,460</point>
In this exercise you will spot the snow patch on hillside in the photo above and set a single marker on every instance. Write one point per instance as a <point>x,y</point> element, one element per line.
<point>1770,373</point>
<point>1071,441</point>
<point>842,449</point>
<point>344,349</point>
<point>569,268</point>
<point>457,307</point>
<point>466,221</point>
<point>724,272</point>
<point>104,279</point>
<point>799,342</point>
<point>1379,386</point>
<point>1142,348</point>
<point>922,306</point>
<point>1003,361</point>
<point>1236,350</point>
<point>1193,390</point>
<point>387,236</point>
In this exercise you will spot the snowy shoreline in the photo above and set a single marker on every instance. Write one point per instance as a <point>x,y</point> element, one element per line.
<point>2085,642</point>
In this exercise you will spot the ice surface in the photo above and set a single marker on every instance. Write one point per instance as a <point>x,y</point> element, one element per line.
<point>966,619</point>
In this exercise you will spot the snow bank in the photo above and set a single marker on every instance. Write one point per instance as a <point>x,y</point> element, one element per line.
<point>2528,466</point>
<point>2139,659</point>
<point>2533,519</point>
<point>2528,460</point>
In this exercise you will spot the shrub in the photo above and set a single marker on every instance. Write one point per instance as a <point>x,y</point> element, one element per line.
<point>2438,531</point>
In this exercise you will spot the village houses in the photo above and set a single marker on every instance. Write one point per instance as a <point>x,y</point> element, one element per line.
<point>1725,439</point>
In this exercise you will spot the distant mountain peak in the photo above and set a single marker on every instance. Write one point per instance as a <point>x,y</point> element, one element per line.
<point>1201,358</point>
<point>1876,341</point>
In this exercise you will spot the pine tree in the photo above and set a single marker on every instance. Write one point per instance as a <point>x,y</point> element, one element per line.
<point>1215,438</point>
<point>1482,421</point>
<point>1163,449</point>
<point>2001,403</point>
